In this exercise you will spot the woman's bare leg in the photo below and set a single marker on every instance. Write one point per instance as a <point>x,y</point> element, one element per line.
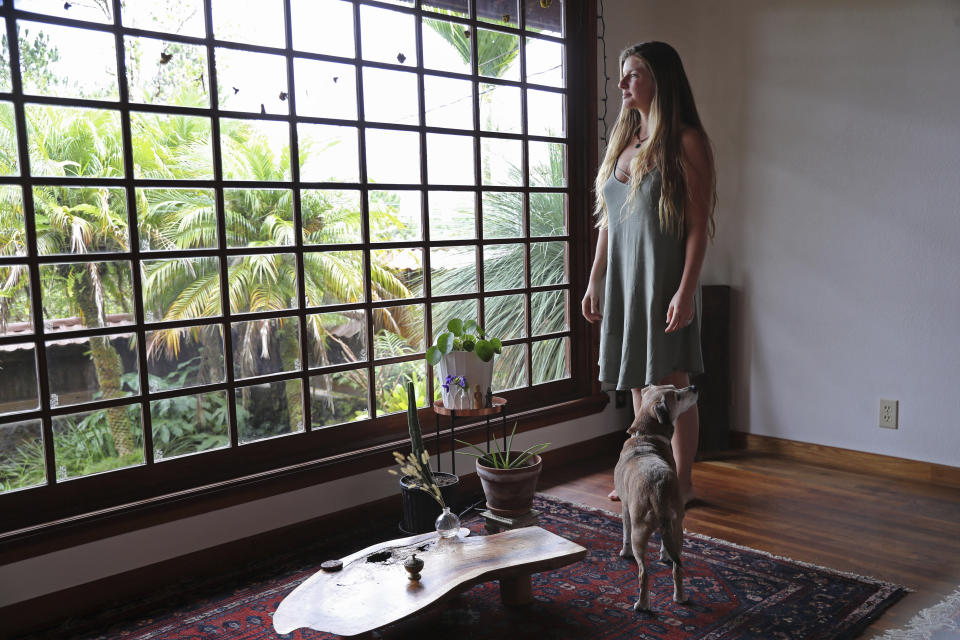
<point>686,434</point>
<point>637,401</point>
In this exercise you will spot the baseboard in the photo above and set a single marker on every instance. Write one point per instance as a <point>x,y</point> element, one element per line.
<point>97,605</point>
<point>848,459</point>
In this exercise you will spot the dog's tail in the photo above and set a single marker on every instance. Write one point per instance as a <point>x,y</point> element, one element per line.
<point>672,539</point>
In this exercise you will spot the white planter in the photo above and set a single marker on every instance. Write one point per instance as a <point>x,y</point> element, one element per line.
<point>479,375</point>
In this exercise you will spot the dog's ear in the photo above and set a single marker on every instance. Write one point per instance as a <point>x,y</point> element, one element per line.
<point>662,412</point>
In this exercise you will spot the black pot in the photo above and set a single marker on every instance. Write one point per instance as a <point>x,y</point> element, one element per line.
<point>419,511</point>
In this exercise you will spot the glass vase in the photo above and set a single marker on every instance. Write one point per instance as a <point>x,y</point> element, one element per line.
<point>447,524</point>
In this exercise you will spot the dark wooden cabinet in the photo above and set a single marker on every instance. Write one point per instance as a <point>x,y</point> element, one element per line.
<point>714,383</point>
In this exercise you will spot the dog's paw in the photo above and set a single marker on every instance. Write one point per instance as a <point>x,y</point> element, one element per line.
<point>626,553</point>
<point>642,605</point>
<point>681,599</point>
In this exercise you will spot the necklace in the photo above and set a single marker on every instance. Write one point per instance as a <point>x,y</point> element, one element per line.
<point>640,141</point>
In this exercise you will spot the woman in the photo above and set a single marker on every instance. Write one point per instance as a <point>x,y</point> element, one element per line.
<point>655,199</point>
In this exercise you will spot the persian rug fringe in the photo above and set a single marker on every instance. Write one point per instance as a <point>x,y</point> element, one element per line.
<point>942,618</point>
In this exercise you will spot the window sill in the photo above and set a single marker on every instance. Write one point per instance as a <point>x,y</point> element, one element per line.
<point>68,532</point>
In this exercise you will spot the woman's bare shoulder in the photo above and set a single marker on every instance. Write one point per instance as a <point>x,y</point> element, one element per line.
<point>694,145</point>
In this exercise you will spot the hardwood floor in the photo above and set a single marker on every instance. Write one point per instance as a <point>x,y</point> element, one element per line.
<point>902,531</point>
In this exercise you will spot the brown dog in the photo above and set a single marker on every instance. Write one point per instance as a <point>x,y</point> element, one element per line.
<point>646,479</point>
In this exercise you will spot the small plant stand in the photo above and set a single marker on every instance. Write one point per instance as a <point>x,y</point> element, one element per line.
<point>499,408</point>
<point>495,524</point>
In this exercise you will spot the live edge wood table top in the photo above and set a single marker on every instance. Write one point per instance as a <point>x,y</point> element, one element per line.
<point>373,589</point>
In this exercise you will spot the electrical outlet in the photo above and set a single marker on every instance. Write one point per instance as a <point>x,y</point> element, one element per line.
<point>888,413</point>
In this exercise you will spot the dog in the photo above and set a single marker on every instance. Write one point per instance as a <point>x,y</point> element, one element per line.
<point>646,479</point>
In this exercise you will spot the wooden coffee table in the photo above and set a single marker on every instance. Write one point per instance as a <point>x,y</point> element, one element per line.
<point>373,589</point>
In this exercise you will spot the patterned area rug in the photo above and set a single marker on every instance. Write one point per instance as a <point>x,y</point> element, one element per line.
<point>939,622</point>
<point>735,593</point>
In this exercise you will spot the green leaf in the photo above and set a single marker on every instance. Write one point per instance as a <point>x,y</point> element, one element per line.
<point>485,350</point>
<point>434,355</point>
<point>455,326</point>
<point>468,343</point>
<point>445,342</point>
<point>471,327</point>
<point>497,346</point>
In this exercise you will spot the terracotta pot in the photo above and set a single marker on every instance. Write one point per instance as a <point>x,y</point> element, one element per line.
<point>510,492</point>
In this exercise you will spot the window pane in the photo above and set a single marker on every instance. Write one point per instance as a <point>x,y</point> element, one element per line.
<point>497,54</point>
<point>13,239</point>
<point>161,72</point>
<point>548,263</point>
<point>15,293</point>
<point>94,12</point>
<point>323,26</point>
<point>394,216</point>
<point>505,12</point>
<point>510,368</point>
<point>262,347</point>
<point>390,96</point>
<point>548,164</point>
<point>255,149</point>
<point>333,277</point>
<point>545,62</point>
<point>387,36</point>
<point>249,21</point>
<point>551,360</point>
<point>452,215</point>
<point>184,17</point>
<point>502,214</point>
<point>259,217</point>
<point>397,273</point>
<point>19,391</point>
<point>398,331</point>
<point>330,217</point>
<point>393,156</point>
<point>337,338</point>
<point>181,288</point>
<point>544,17</point>
<point>85,369</point>
<point>338,398</point>
<point>86,294</point>
<point>545,113</point>
<point>502,266</point>
<point>500,108</point>
<point>9,156</point>
<point>453,270</point>
<point>448,102</point>
<point>325,89</point>
<point>169,219</point>
<point>444,312</point>
<point>4,69</point>
<point>97,441</point>
<point>169,146</point>
<point>21,456</point>
<point>67,141</point>
<point>80,219</point>
<point>391,385</point>
<point>185,425</point>
<point>500,162</point>
<point>505,317</point>
<point>455,7</point>
<point>269,410</point>
<point>328,153</point>
<point>549,311</point>
<point>449,159</point>
<point>264,282</point>
<point>548,214</point>
<point>253,82</point>
<point>48,61</point>
<point>182,358</point>
<point>446,46</point>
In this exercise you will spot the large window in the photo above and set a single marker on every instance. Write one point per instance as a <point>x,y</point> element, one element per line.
<point>230,228</point>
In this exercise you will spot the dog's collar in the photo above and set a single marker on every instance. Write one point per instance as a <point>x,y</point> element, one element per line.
<point>651,436</point>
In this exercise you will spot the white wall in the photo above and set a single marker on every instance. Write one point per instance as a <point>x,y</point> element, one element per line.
<point>836,125</point>
<point>20,581</point>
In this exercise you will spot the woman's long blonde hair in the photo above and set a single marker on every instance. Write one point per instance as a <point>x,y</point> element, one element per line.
<point>671,110</point>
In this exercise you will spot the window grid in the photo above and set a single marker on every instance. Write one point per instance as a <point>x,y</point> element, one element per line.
<point>134,255</point>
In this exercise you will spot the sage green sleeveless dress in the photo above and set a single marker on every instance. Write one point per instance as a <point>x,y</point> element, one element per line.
<point>644,267</point>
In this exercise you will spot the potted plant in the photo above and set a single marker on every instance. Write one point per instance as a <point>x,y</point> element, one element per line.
<point>465,356</point>
<point>509,478</point>
<point>422,490</point>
